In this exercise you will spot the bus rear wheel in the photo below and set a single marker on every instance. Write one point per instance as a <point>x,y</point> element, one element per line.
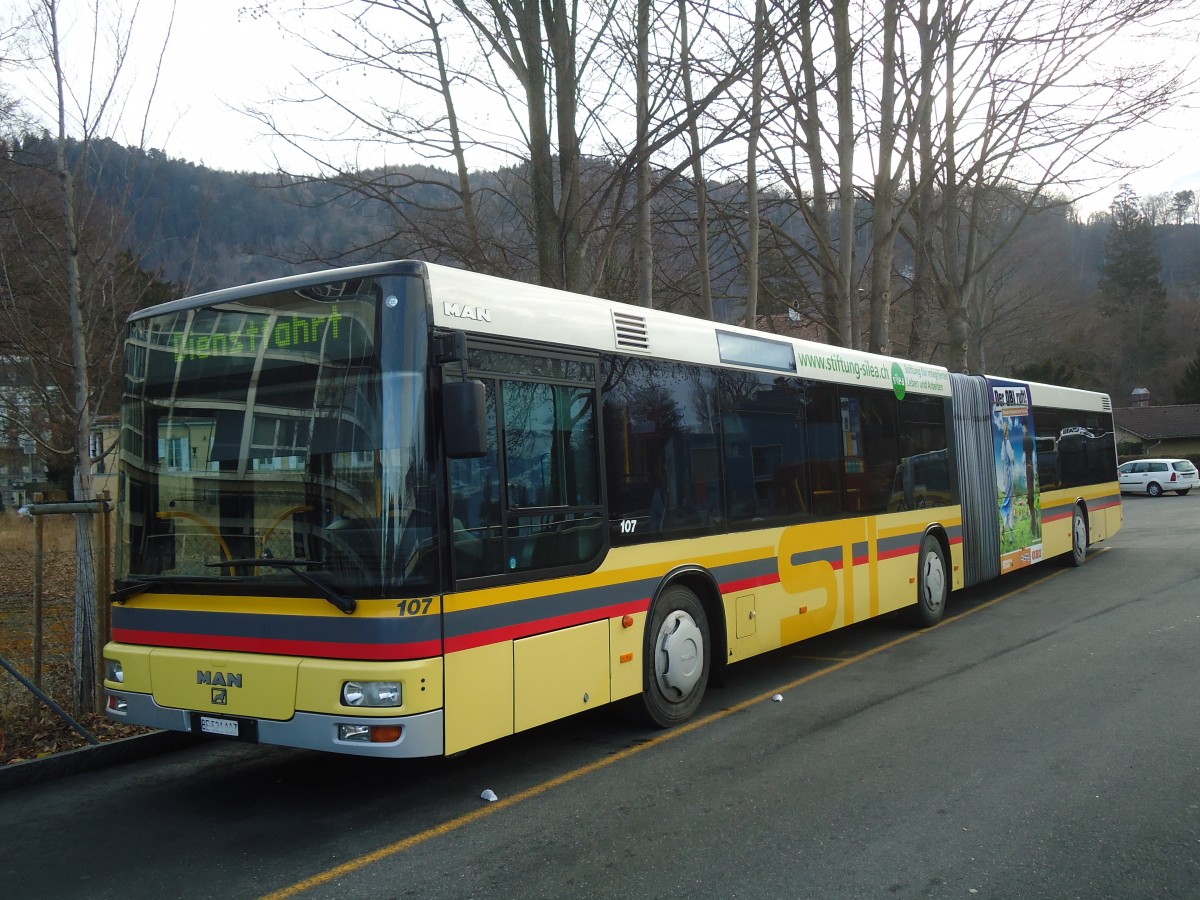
<point>1079,539</point>
<point>677,657</point>
<point>932,585</point>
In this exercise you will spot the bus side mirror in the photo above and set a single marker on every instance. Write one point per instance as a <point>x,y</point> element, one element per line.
<point>464,421</point>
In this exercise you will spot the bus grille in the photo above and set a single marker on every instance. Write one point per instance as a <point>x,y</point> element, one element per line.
<point>631,332</point>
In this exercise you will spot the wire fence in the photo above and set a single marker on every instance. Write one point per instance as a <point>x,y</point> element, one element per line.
<point>37,615</point>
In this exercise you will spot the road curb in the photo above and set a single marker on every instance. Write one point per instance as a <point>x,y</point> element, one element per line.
<point>88,759</point>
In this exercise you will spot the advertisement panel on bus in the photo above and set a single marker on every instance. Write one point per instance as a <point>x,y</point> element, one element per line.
<point>1018,497</point>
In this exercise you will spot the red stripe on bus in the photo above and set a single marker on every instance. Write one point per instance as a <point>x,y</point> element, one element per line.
<point>542,626</point>
<point>745,584</point>
<point>280,646</point>
<point>901,551</point>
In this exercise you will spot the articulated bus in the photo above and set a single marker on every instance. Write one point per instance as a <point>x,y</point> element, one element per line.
<point>402,510</point>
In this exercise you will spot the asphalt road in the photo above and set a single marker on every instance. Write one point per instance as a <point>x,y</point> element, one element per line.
<point>1043,742</point>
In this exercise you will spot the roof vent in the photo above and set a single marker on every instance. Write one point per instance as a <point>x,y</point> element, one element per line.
<point>631,331</point>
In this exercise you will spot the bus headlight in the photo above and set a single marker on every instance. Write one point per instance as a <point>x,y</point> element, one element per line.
<point>371,693</point>
<point>114,671</point>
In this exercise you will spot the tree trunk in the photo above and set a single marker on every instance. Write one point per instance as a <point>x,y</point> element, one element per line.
<point>541,156</point>
<point>83,645</point>
<point>754,129</point>
<point>924,285</point>
<point>560,26</point>
<point>883,236</point>
<point>836,321</point>
<point>699,187</point>
<point>645,235</point>
<point>844,53</point>
<point>477,258</point>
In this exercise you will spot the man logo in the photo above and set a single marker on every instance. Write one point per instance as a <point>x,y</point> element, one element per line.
<point>220,697</point>
<point>219,679</point>
<point>478,313</point>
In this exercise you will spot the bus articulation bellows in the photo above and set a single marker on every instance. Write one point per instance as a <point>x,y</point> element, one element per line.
<point>402,509</point>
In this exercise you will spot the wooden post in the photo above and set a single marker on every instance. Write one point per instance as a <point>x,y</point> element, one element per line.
<point>105,586</point>
<point>101,576</point>
<point>37,601</point>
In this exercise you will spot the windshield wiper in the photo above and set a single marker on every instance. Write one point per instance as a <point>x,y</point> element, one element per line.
<point>341,601</point>
<point>120,595</point>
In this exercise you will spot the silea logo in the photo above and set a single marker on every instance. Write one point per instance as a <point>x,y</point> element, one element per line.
<point>899,386</point>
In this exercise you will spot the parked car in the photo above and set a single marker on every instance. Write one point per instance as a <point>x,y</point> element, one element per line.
<point>1153,476</point>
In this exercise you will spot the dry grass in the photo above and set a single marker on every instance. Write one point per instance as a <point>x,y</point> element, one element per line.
<point>27,728</point>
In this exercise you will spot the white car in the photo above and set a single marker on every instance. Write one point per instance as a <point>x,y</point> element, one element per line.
<point>1153,476</point>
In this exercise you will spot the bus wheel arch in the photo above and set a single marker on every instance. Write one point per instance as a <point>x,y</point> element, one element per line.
<point>1080,529</point>
<point>680,655</point>
<point>933,580</point>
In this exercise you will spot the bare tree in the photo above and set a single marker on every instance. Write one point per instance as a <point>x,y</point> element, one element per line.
<point>644,237</point>
<point>753,134</point>
<point>792,143</point>
<point>1026,103</point>
<point>76,263</point>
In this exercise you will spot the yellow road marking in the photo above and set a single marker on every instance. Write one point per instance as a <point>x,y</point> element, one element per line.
<point>462,821</point>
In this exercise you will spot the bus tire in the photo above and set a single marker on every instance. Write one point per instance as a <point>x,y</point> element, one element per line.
<point>1079,540</point>
<point>932,585</point>
<point>677,657</point>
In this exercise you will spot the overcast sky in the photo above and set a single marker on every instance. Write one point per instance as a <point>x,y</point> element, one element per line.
<point>220,61</point>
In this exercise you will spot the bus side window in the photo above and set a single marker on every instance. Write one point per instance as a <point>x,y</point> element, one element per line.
<point>923,474</point>
<point>533,501</point>
<point>665,476</point>
<point>475,504</point>
<point>824,449</point>
<point>762,430</point>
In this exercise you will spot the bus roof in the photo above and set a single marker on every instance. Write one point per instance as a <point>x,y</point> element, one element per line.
<point>488,305</point>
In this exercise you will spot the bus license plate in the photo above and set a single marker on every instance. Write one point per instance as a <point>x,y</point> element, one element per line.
<point>210,725</point>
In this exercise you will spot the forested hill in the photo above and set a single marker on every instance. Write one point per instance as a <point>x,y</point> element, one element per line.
<point>204,228</point>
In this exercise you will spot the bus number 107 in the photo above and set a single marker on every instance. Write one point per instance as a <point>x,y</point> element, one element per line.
<point>418,606</point>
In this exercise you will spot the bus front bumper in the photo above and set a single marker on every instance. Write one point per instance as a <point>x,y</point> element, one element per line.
<point>422,734</point>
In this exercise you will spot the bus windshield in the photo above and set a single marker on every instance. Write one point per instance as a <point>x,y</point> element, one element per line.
<point>279,439</point>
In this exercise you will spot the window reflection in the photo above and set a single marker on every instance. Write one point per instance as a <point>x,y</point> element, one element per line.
<point>533,502</point>
<point>1074,447</point>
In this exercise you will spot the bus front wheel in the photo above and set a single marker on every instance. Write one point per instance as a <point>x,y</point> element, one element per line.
<point>677,657</point>
<point>932,584</point>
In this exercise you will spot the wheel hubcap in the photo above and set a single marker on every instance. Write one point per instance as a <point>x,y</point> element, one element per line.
<point>1080,537</point>
<point>679,659</point>
<point>933,581</point>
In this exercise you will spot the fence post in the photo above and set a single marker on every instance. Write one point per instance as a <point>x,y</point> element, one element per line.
<point>99,612</point>
<point>37,601</point>
<point>103,589</point>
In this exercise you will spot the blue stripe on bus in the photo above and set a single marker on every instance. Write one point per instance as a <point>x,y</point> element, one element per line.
<point>316,629</point>
<point>831,555</point>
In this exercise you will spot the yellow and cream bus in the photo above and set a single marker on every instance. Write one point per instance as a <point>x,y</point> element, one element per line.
<point>402,509</point>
